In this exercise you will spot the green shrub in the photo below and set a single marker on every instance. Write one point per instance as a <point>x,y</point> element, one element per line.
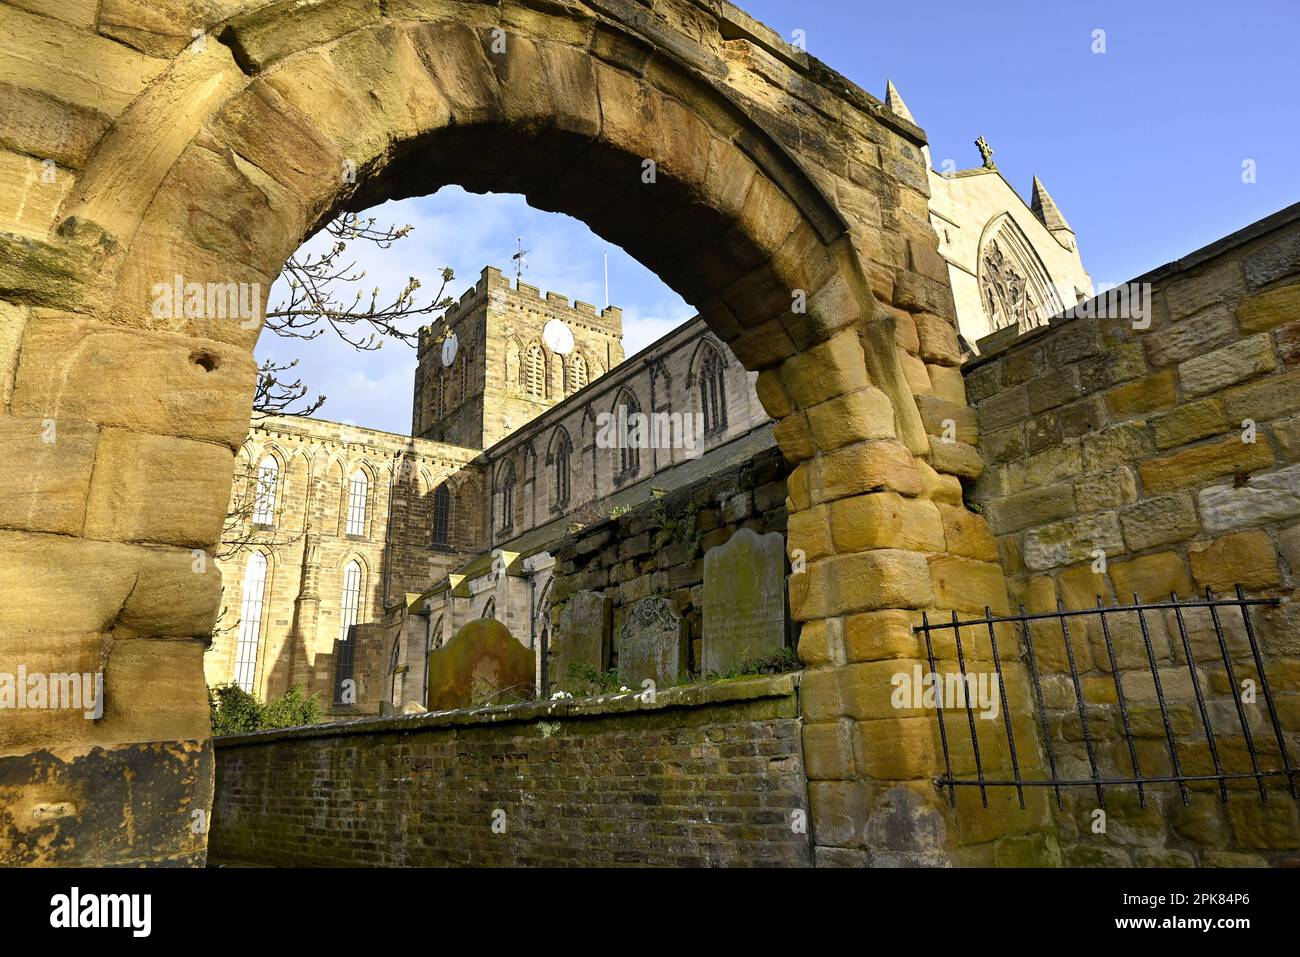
<point>235,711</point>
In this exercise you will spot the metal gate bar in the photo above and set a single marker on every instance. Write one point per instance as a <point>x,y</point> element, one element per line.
<point>1097,780</point>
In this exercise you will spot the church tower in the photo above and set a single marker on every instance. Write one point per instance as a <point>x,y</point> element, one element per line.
<point>488,365</point>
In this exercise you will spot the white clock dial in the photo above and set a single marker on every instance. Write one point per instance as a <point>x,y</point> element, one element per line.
<point>558,337</point>
<point>449,349</point>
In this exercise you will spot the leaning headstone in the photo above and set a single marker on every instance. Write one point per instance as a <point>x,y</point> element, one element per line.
<point>744,601</point>
<point>484,664</point>
<point>580,642</point>
<point>652,644</point>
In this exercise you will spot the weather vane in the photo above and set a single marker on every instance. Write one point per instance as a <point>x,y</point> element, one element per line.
<point>518,257</point>
<point>986,152</point>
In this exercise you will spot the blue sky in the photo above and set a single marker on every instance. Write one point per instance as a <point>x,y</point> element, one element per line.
<point>1142,147</point>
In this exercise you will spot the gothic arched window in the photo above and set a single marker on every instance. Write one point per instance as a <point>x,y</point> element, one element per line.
<point>1015,287</point>
<point>713,391</point>
<point>358,492</point>
<point>350,603</point>
<point>442,515</point>
<point>563,450</point>
<point>344,651</point>
<point>628,432</point>
<point>268,475</point>
<point>250,622</point>
<point>508,496</point>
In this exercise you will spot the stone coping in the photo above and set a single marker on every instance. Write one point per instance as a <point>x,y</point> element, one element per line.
<point>1246,234</point>
<point>687,696</point>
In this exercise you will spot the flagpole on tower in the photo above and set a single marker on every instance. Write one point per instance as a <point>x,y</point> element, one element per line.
<point>606,280</point>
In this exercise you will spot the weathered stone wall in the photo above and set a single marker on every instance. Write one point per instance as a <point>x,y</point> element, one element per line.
<point>658,548</point>
<point>708,775</point>
<point>1126,460</point>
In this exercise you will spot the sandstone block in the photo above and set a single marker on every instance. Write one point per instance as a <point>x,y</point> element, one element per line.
<point>966,585</point>
<point>1263,499</point>
<point>854,417</point>
<point>1151,577</point>
<point>1116,446</point>
<point>1059,463</point>
<point>828,751</point>
<point>938,340</point>
<point>1235,363</point>
<point>868,467</point>
<point>1035,506</point>
<point>150,488</point>
<point>967,534</point>
<point>1073,540</point>
<point>1162,520</point>
<point>1188,294</point>
<point>1245,558</point>
<point>826,370</point>
<point>1170,345</point>
<point>60,584</point>
<point>1189,422</point>
<point>1264,399</point>
<point>1204,462</point>
<point>886,520</point>
<point>47,479</point>
<point>1143,396</point>
<point>1269,309</point>
<point>170,384</point>
<point>1100,491</point>
<point>885,578</point>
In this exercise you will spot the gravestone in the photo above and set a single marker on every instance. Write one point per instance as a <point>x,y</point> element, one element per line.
<point>652,644</point>
<point>483,664</point>
<point>744,600</point>
<point>581,639</point>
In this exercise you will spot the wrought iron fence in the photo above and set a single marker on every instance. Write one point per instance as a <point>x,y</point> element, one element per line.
<point>1135,764</point>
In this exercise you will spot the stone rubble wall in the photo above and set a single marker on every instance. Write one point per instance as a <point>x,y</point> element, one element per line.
<point>1101,436</point>
<point>658,548</point>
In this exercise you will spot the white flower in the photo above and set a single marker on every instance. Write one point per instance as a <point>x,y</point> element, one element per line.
<point>560,694</point>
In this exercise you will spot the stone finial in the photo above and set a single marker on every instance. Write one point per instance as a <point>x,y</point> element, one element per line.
<point>986,152</point>
<point>894,101</point>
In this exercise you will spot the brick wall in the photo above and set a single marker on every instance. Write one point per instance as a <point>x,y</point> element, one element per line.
<point>1127,460</point>
<point>710,775</point>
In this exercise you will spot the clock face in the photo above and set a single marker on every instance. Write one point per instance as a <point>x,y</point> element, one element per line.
<point>449,349</point>
<point>558,337</point>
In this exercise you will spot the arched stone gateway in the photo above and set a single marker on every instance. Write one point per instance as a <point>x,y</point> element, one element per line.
<point>768,191</point>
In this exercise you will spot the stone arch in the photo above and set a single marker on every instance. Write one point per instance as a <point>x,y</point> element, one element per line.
<point>215,169</point>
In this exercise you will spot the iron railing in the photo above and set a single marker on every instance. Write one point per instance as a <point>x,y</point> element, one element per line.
<point>1265,762</point>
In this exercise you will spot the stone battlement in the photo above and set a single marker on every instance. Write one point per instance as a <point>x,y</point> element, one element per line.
<point>491,279</point>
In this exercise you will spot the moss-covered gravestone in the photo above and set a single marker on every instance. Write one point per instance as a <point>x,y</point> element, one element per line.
<point>652,644</point>
<point>744,601</point>
<point>580,644</point>
<point>482,664</point>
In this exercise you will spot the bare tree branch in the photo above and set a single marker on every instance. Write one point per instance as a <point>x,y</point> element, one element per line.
<point>319,290</point>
